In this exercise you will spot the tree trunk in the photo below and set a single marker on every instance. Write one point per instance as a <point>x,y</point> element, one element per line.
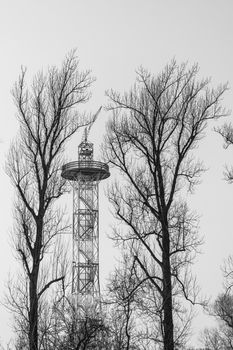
<point>33,313</point>
<point>167,295</point>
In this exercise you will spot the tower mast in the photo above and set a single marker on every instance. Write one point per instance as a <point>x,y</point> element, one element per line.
<point>84,176</point>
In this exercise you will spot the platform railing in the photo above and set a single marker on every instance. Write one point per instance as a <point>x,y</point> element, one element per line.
<point>82,164</point>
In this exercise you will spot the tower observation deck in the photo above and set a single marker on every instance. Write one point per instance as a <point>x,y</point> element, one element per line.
<point>84,176</point>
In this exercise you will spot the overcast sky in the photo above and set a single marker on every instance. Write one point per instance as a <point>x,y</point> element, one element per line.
<point>114,38</point>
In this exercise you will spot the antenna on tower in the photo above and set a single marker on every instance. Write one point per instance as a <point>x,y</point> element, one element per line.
<point>88,128</point>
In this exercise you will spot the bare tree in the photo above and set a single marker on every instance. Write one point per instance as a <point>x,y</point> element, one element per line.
<point>226,131</point>
<point>47,118</point>
<point>122,307</point>
<point>67,330</point>
<point>221,337</point>
<point>212,339</point>
<point>150,141</point>
<point>137,310</point>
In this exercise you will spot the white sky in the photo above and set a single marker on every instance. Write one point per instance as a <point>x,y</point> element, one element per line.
<point>113,38</point>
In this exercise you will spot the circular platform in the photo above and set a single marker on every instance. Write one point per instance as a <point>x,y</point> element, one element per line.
<point>88,170</point>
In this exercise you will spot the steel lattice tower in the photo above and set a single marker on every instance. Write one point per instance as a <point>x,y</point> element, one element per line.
<point>85,175</point>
